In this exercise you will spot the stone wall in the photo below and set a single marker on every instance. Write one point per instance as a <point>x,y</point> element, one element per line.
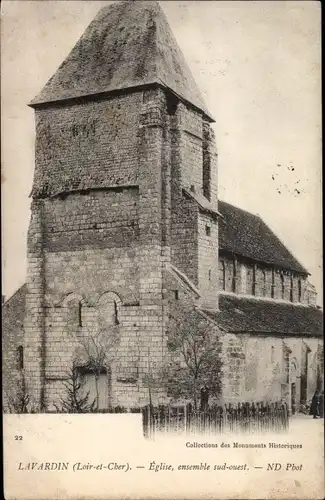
<point>12,345</point>
<point>108,208</point>
<point>184,235</point>
<point>207,259</point>
<point>99,219</point>
<point>87,145</point>
<point>96,228</point>
<point>194,234</point>
<point>271,368</point>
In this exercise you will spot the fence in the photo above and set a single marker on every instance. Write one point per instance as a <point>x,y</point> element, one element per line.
<point>243,418</point>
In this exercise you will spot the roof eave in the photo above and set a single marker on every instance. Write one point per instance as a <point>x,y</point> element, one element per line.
<point>38,102</point>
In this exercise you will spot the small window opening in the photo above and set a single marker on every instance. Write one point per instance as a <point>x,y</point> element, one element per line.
<point>299,290</point>
<point>208,230</point>
<point>243,278</point>
<point>176,294</point>
<point>282,285</point>
<point>273,284</point>
<point>172,104</point>
<point>291,289</point>
<point>20,357</point>
<point>116,313</point>
<point>254,287</point>
<point>209,274</point>
<point>263,282</point>
<point>222,275</point>
<point>272,354</point>
<point>80,314</point>
<point>234,277</point>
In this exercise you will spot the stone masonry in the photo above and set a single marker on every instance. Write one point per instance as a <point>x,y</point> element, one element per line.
<point>126,228</point>
<point>118,178</point>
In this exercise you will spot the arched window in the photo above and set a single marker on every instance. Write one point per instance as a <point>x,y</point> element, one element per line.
<point>108,310</point>
<point>74,307</point>
<point>75,314</point>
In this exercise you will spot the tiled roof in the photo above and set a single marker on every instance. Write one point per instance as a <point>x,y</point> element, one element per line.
<point>246,234</point>
<point>128,44</point>
<point>253,315</point>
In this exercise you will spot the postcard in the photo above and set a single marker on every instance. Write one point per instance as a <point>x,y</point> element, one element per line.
<point>161,237</point>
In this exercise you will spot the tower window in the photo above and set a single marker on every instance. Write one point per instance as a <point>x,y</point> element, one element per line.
<point>209,274</point>
<point>206,175</point>
<point>272,354</point>
<point>108,311</point>
<point>20,357</point>
<point>74,314</point>
<point>208,230</point>
<point>176,294</point>
<point>172,103</point>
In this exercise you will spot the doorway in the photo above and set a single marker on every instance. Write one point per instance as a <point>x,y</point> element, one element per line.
<point>96,387</point>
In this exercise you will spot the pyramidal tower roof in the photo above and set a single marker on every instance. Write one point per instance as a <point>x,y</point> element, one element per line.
<point>128,44</point>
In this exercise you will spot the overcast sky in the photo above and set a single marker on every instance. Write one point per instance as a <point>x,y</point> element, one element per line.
<point>258,67</point>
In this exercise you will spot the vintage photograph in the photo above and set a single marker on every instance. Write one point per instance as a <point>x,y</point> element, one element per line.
<point>166,258</point>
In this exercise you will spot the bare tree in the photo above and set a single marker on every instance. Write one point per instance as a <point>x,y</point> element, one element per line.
<point>21,401</point>
<point>194,367</point>
<point>75,400</point>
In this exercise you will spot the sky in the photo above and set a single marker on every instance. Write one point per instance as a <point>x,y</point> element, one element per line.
<point>257,65</point>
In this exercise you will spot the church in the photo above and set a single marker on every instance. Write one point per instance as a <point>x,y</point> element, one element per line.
<point>126,225</point>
